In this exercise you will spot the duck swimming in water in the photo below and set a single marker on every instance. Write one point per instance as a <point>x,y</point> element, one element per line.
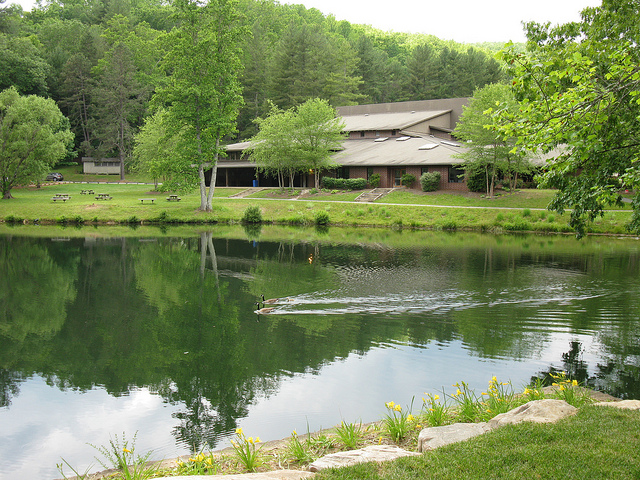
<point>263,309</point>
<point>271,301</point>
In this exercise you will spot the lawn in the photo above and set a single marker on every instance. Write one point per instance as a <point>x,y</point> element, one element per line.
<point>521,211</point>
<point>597,442</point>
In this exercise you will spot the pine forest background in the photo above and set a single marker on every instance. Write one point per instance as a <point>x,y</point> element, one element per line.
<point>88,54</point>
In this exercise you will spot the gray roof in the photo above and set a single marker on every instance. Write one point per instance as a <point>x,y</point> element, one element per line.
<point>389,121</point>
<point>413,151</point>
<point>374,152</point>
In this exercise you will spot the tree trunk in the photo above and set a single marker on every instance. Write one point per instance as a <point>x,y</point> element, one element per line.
<point>203,188</point>
<point>214,176</point>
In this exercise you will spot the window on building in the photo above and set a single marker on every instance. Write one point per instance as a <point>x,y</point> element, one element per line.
<point>394,133</point>
<point>456,175</point>
<point>362,133</point>
<point>342,172</point>
<point>369,172</point>
<point>424,170</point>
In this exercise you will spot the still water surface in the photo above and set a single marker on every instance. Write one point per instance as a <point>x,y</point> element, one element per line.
<point>104,335</point>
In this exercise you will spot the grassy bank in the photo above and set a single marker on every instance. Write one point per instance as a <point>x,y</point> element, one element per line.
<point>520,211</point>
<point>598,442</point>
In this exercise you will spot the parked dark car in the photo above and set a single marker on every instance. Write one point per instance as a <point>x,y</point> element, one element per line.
<point>56,177</point>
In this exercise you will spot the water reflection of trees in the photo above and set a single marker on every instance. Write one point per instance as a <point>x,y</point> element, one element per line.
<point>176,314</point>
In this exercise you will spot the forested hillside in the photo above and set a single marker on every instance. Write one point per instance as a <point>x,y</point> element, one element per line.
<point>93,55</point>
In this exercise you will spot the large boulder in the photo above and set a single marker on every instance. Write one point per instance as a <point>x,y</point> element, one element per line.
<point>434,437</point>
<point>375,453</point>
<point>537,411</point>
<point>624,404</point>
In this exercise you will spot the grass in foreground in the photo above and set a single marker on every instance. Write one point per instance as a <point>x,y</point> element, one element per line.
<point>596,443</point>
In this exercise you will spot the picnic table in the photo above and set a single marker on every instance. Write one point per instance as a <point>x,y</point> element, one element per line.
<point>173,198</point>
<point>103,196</point>
<point>61,196</point>
<point>142,200</point>
<point>87,192</point>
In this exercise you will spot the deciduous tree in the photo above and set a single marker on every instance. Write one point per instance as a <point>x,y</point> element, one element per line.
<point>489,149</point>
<point>579,86</point>
<point>203,94</point>
<point>34,135</point>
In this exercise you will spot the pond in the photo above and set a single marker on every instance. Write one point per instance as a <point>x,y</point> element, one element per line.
<point>152,334</point>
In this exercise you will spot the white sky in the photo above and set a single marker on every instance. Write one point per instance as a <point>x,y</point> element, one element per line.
<point>465,21</point>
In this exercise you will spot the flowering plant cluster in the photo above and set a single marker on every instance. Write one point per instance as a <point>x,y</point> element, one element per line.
<point>247,450</point>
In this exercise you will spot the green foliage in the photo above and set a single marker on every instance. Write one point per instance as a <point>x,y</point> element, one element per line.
<point>408,180</point>
<point>298,450</point>
<point>202,94</point>
<point>120,454</point>
<point>156,153</point>
<point>252,214</point>
<point>33,136</point>
<point>434,413</point>
<point>22,66</point>
<point>430,181</point>
<point>489,149</point>
<point>476,177</point>
<point>344,183</point>
<point>374,180</point>
<point>300,139</point>
<point>200,464</point>
<point>247,451</point>
<point>398,423</point>
<point>578,93</point>
<point>466,402</point>
<point>322,217</point>
<point>351,434</point>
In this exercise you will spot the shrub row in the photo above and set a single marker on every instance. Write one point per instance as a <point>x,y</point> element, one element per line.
<point>344,183</point>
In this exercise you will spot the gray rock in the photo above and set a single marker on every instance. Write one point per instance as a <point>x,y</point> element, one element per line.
<point>624,404</point>
<point>273,475</point>
<point>537,411</point>
<point>375,453</point>
<point>434,437</point>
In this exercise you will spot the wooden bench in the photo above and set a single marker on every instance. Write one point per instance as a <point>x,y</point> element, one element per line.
<point>87,192</point>
<point>103,196</point>
<point>60,197</point>
<point>142,200</point>
<point>173,198</point>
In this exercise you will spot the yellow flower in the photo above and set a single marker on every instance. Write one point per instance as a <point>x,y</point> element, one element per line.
<point>436,397</point>
<point>209,461</point>
<point>250,439</point>
<point>397,408</point>
<point>574,383</point>
<point>458,392</point>
<point>418,426</point>
<point>389,404</point>
<point>294,433</point>
<point>410,418</point>
<point>238,431</point>
<point>494,379</point>
<point>257,439</point>
<point>126,450</point>
<point>485,393</point>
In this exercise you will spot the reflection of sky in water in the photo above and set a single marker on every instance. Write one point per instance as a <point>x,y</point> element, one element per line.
<point>46,424</point>
<point>541,306</point>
